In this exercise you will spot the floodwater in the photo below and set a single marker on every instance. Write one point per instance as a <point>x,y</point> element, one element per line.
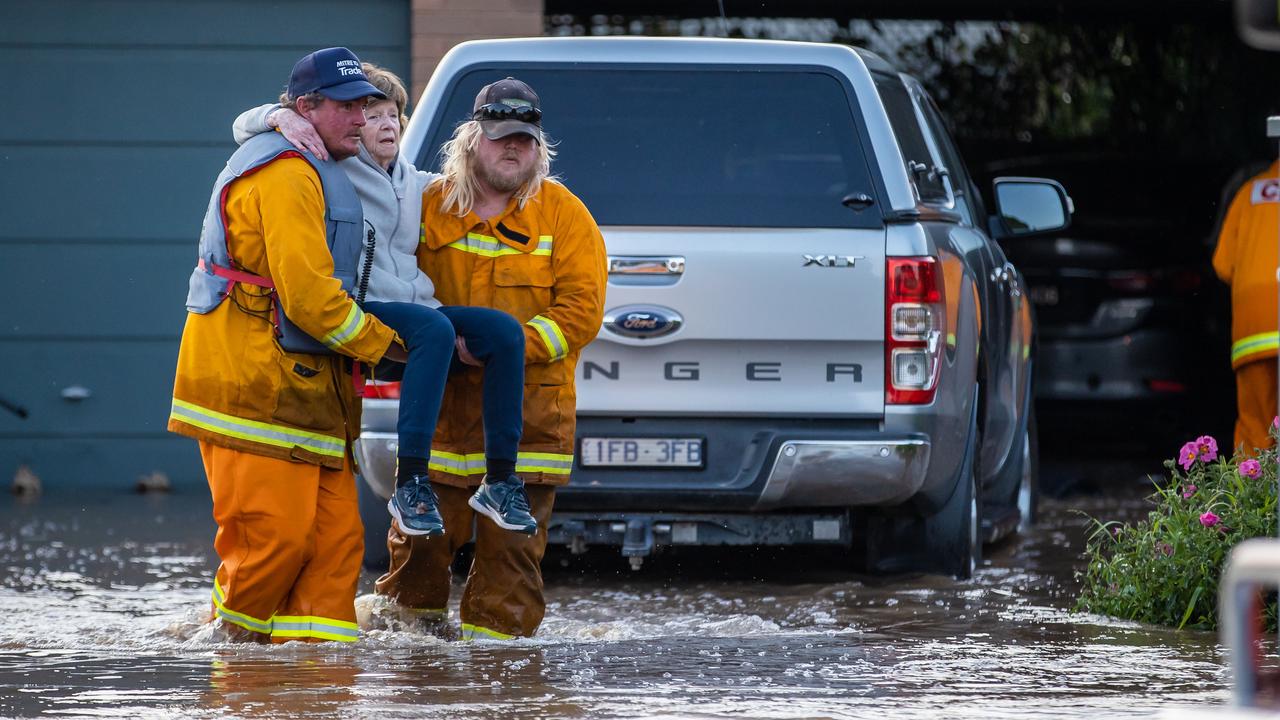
<point>101,600</point>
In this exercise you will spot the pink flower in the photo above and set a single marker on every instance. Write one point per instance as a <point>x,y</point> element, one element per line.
<point>1165,549</point>
<point>1208,448</point>
<point>1208,519</point>
<point>1187,455</point>
<point>1203,448</point>
<point>1250,469</point>
<point>1275,422</point>
<point>1188,491</point>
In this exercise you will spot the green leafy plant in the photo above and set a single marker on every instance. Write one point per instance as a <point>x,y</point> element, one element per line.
<point>1165,569</point>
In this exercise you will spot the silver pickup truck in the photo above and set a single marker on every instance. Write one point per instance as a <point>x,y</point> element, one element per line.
<point>810,335</point>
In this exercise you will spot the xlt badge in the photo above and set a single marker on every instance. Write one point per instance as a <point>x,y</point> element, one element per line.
<point>642,321</point>
<point>833,260</point>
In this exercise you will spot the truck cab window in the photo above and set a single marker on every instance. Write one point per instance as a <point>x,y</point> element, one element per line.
<point>921,165</point>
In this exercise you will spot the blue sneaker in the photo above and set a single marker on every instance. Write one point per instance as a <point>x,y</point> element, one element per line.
<point>506,503</point>
<point>415,508</point>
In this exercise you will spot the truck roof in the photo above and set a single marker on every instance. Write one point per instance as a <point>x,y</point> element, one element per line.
<point>674,50</point>
<point>855,64</point>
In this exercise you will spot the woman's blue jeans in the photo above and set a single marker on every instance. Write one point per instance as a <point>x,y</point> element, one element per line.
<point>492,336</point>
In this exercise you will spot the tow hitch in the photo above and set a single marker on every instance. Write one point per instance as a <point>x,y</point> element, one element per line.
<point>641,536</point>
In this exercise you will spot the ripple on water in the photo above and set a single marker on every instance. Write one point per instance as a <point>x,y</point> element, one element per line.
<point>111,624</point>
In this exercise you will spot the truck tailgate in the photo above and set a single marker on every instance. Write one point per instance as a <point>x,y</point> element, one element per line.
<point>768,322</point>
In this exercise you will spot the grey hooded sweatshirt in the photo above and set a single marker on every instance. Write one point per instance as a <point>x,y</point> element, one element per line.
<point>392,204</point>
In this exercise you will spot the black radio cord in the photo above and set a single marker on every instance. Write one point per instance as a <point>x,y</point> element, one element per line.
<point>370,242</point>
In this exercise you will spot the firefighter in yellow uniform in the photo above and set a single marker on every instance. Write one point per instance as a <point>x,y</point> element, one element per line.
<point>1246,260</point>
<point>497,233</point>
<point>275,427</point>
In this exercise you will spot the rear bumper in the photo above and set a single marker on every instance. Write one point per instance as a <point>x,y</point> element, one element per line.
<point>803,473</point>
<point>1140,365</point>
<point>755,464</point>
<point>845,473</point>
<point>376,455</point>
<point>752,464</point>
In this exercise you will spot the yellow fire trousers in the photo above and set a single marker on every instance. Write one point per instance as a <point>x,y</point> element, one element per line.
<point>290,540</point>
<point>1255,404</point>
<point>503,596</point>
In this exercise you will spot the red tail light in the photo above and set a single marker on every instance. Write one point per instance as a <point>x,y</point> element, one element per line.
<point>1147,282</point>
<point>914,280</point>
<point>384,390</point>
<point>914,327</point>
<point>1167,386</point>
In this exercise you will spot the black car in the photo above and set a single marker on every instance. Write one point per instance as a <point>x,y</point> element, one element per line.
<point>1134,328</point>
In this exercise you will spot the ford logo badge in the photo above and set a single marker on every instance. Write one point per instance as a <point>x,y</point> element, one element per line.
<point>642,321</point>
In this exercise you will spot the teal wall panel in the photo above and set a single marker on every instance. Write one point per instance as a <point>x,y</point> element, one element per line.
<point>130,384</point>
<point>301,25</point>
<point>146,96</point>
<point>119,119</point>
<point>99,291</point>
<point>65,464</point>
<point>111,193</point>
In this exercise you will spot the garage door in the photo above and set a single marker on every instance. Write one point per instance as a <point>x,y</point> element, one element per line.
<point>116,120</point>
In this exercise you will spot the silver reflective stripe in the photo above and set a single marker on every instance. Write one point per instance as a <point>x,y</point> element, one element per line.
<point>316,627</point>
<point>245,621</point>
<point>348,330</point>
<point>455,464</point>
<point>553,463</point>
<point>1254,344</point>
<point>473,632</point>
<point>477,244</point>
<point>265,433</point>
<point>474,464</point>
<point>488,246</point>
<point>551,336</point>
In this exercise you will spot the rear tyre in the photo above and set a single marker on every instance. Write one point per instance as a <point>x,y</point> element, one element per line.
<point>952,534</point>
<point>1027,499</point>
<point>377,521</point>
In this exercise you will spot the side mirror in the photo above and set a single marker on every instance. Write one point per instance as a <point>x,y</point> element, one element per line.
<point>1031,206</point>
<point>1258,23</point>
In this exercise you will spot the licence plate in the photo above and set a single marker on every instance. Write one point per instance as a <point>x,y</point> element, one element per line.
<point>1044,294</point>
<point>641,452</point>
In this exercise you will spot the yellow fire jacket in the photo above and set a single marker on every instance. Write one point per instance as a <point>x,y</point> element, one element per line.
<point>235,387</point>
<point>1246,260</point>
<point>545,265</point>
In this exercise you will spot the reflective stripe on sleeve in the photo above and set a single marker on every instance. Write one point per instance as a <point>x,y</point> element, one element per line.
<point>474,463</point>
<point>1254,345</point>
<point>255,431</point>
<point>348,330</point>
<point>310,626</point>
<point>488,246</point>
<point>551,336</point>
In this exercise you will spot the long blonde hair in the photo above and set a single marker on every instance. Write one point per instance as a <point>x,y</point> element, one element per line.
<point>457,167</point>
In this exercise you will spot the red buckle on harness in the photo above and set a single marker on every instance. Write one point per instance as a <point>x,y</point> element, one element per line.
<point>235,275</point>
<point>247,278</point>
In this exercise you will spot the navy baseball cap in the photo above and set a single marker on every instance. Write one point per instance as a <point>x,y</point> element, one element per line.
<point>334,73</point>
